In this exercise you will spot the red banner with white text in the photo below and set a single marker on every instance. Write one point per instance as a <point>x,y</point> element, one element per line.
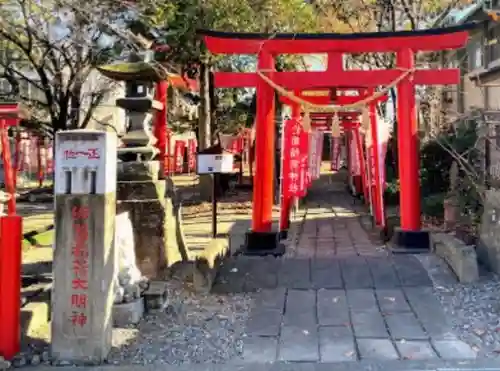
<point>179,148</point>
<point>290,160</point>
<point>335,149</point>
<point>304,162</point>
<point>191,155</point>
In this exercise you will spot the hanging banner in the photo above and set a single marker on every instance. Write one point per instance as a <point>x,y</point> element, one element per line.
<point>383,133</point>
<point>191,155</point>
<point>312,158</point>
<point>304,162</point>
<point>290,158</point>
<point>375,166</point>
<point>49,155</point>
<point>355,169</point>
<point>335,149</point>
<point>319,153</point>
<point>179,147</point>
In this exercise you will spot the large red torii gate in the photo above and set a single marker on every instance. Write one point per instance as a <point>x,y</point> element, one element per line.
<point>261,239</point>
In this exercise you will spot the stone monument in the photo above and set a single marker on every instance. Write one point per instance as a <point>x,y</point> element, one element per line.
<point>85,258</point>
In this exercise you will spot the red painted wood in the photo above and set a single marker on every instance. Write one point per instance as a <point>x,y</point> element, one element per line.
<point>263,182</point>
<point>349,78</point>
<point>11,232</point>
<point>220,45</point>
<point>408,148</point>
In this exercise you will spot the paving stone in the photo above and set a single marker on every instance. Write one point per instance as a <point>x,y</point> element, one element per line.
<point>325,274</point>
<point>274,299</point>
<point>336,344</point>
<point>453,349</point>
<point>226,280</point>
<point>411,272</point>
<point>392,300</point>
<point>362,300</point>
<point>377,349</point>
<point>260,273</point>
<point>368,324</point>
<point>264,322</point>
<point>429,312</point>
<point>299,344</point>
<point>295,274</point>
<point>355,273</point>
<point>332,308</point>
<point>260,349</point>
<point>383,272</point>
<point>415,349</point>
<point>300,308</point>
<point>405,326</point>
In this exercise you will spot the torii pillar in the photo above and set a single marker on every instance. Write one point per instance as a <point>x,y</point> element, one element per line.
<point>262,239</point>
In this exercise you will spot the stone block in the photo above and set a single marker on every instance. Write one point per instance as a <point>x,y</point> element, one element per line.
<point>453,349</point>
<point>130,171</point>
<point>488,247</point>
<point>149,241</point>
<point>126,314</point>
<point>325,274</point>
<point>416,350</point>
<point>362,300</point>
<point>140,190</point>
<point>264,322</point>
<point>155,297</point>
<point>300,308</point>
<point>461,258</point>
<point>368,324</point>
<point>332,308</point>
<point>336,344</point>
<point>355,273</point>
<point>404,326</point>
<point>392,301</point>
<point>376,349</point>
<point>82,304</point>
<point>299,344</point>
<point>258,349</point>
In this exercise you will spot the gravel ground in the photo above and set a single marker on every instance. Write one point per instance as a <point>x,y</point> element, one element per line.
<point>474,311</point>
<point>194,328</point>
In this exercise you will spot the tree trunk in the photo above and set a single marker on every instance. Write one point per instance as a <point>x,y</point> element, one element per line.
<point>204,121</point>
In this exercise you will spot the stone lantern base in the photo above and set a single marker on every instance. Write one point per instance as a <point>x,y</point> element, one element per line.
<point>144,195</point>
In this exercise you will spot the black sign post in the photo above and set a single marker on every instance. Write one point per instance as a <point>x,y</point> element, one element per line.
<point>214,205</point>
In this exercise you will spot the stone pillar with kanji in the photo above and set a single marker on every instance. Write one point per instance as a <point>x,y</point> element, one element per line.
<point>85,260</point>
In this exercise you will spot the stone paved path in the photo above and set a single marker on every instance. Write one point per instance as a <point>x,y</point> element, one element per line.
<point>336,296</point>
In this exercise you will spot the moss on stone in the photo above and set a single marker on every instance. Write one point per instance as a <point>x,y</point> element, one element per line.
<point>127,71</point>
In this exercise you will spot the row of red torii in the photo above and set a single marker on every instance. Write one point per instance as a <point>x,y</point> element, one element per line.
<point>262,240</point>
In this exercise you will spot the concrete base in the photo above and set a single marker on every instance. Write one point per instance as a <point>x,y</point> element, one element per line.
<point>410,242</point>
<point>126,314</point>
<point>262,244</point>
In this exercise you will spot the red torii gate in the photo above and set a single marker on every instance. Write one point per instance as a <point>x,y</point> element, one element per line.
<point>261,240</point>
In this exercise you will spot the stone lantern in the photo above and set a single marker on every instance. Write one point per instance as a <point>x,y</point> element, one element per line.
<point>143,193</point>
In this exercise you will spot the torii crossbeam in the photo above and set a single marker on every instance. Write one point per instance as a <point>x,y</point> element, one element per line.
<point>262,240</point>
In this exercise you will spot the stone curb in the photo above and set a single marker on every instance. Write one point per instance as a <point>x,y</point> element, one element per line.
<point>403,365</point>
<point>461,258</point>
